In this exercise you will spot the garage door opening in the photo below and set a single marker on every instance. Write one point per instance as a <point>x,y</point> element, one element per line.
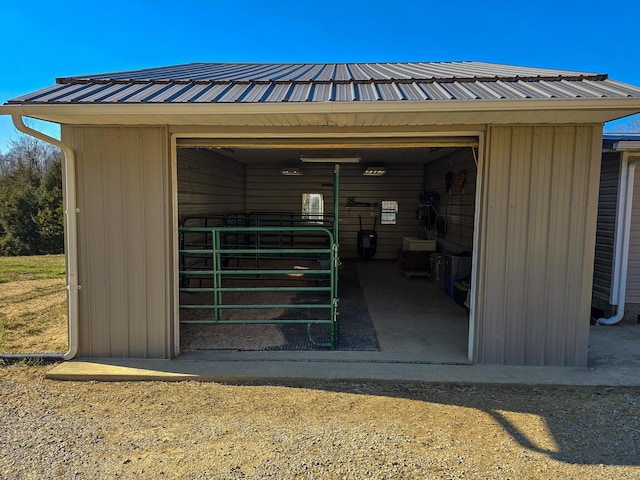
<point>407,297</point>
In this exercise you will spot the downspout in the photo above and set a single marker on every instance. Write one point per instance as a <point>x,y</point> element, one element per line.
<point>623,228</point>
<point>71,238</point>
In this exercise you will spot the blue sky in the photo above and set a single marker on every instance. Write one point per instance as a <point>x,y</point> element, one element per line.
<point>42,40</point>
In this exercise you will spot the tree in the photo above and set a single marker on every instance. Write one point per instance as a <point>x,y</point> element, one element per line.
<point>30,198</point>
<point>631,125</point>
<point>50,216</point>
<point>18,210</point>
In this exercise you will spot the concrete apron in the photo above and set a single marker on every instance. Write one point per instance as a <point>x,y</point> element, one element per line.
<point>423,337</point>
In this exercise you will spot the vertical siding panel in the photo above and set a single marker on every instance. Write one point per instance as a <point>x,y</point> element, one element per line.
<point>559,229</point>
<point>157,231</point>
<point>115,240</point>
<point>538,245</point>
<point>570,324</point>
<point>633,267</point>
<point>84,299</point>
<point>517,245</point>
<point>605,235</point>
<point>498,172</point>
<point>590,160</point>
<point>541,244</point>
<point>135,251</point>
<point>96,285</point>
<point>124,241</point>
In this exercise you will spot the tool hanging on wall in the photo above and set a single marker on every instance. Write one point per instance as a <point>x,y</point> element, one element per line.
<point>462,179</point>
<point>448,182</point>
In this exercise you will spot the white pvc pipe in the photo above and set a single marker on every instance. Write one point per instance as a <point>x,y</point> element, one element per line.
<point>71,238</point>
<point>625,204</point>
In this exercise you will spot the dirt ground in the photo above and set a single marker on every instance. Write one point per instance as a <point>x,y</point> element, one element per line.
<point>329,429</point>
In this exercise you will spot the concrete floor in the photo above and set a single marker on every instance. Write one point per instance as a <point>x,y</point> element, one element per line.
<point>415,322</point>
<point>423,336</point>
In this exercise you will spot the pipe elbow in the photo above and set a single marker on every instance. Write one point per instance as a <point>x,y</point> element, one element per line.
<point>609,321</point>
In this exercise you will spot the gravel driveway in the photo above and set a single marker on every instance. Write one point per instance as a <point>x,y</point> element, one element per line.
<point>323,430</point>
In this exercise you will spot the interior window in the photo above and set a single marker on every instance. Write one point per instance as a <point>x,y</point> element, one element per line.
<point>312,207</point>
<point>389,212</point>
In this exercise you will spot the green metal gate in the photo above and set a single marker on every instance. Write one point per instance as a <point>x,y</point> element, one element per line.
<point>219,266</point>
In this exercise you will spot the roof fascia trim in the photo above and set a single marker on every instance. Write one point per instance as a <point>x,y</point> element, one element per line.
<point>328,107</point>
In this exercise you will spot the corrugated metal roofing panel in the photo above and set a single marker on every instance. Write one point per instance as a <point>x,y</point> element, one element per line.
<point>255,93</point>
<point>232,93</point>
<point>126,94</point>
<point>482,90</point>
<point>300,92</point>
<point>344,92</point>
<point>60,95</point>
<point>108,90</point>
<point>247,82</point>
<point>460,91</point>
<point>436,91</point>
<point>210,94</point>
<point>190,91</point>
<point>413,92</point>
<point>321,92</point>
<point>337,72</point>
<point>389,92</point>
<point>617,89</point>
<point>367,92</point>
<point>278,93</point>
<point>325,74</point>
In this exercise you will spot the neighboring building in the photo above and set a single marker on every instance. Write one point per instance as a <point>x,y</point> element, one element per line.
<point>514,151</point>
<point>616,277</point>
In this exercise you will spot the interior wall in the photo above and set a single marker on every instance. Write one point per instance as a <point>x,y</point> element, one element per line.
<point>125,241</point>
<point>268,190</point>
<point>456,204</point>
<point>209,184</point>
<point>536,245</point>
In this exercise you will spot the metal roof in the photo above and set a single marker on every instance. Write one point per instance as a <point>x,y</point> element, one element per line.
<point>202,83</point>
<point>621,141</point>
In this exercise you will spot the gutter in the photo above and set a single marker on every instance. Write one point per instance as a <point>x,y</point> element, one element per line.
<point>626,106</point>
<point>71,237</point>
<point>623,228</point>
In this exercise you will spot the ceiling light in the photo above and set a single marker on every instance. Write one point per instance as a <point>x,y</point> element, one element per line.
<point>374,171</point>
<point>291,171</point>
<point>330,159</point>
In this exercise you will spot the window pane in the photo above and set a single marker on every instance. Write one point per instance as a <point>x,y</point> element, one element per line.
<point>312,206</point>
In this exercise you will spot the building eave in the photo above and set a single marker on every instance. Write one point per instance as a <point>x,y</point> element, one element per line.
<point>554,111</point>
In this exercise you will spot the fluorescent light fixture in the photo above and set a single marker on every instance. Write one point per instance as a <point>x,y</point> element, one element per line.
<point>291,171</point>
<point>374,171</point>
<point>330,159</point>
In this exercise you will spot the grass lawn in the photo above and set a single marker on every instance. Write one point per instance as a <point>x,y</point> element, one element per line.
<point>31,268</point>
<point>33,304</point>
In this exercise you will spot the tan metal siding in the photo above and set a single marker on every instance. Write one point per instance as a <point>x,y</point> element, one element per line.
<point>125,241</point>
<point>457,206</point>
<point>538,215</point>
<point>208,184</point>
<point>606,228</point>
<point>633,272</point>
<point>268,190</point>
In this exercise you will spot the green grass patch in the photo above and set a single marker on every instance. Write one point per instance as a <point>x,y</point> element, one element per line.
<point>36,267</point>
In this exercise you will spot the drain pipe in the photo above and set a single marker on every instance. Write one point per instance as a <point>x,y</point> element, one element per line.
<point>623,228</point>
<point>71,238</point>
